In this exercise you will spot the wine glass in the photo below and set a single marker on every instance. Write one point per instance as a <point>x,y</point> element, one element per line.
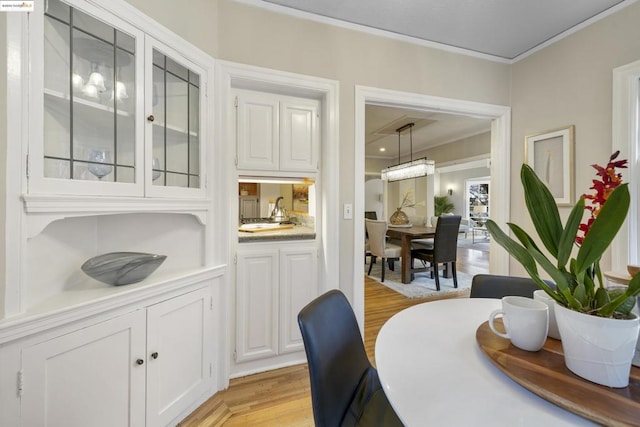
<point>155,166</point>
<point>100,162</point>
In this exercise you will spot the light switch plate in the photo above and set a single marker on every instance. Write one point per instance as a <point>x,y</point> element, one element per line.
<point>348,211</point>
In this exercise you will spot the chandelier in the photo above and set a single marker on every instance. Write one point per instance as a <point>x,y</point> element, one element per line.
<point>412,168</point>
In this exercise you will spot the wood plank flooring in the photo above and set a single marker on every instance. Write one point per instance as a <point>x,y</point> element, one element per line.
<point>282,397</point>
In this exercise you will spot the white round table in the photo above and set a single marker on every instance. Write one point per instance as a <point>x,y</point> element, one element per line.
<point>434,373</point>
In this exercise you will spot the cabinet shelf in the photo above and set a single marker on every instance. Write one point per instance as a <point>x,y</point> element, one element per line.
<point>54,97</point>
<point>42,209</point>
<point>173,132</point>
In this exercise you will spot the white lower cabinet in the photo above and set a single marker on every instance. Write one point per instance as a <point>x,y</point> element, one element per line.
<point>140,368</point>
<point>273,283</point>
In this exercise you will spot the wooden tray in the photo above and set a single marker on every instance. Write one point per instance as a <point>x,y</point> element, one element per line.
<point>545,374</point>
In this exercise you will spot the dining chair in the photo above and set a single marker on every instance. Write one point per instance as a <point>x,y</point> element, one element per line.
<point>494,286</point>
<point>378,245</point>
<point>368,215</point>
<point>444,249</point>
<point>345,388</point>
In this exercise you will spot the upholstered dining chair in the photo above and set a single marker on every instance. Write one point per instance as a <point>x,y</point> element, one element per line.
<point>368,215</point>
<point>495,286</point>
<point>443,251</point>
<point>378,246</point>
<point>345,388</point>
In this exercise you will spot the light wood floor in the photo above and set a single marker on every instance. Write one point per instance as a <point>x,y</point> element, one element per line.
<point>282,397</point>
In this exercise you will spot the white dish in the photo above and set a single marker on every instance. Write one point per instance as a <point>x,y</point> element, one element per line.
<point>401,226</point>
<point>258,226</point>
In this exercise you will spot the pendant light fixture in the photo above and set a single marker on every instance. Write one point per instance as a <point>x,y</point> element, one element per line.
<point>412,168</point>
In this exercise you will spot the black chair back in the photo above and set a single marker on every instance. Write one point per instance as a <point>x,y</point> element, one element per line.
<point>494,286</point>
<point>445,242</point>
<point>335,353</point>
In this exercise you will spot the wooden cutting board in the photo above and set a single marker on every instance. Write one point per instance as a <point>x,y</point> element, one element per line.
<point>545,374</point>
<point>262,230</point>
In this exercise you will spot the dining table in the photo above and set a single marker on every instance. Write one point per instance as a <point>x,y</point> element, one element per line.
<point>434,372</point>
<point>406,234</point>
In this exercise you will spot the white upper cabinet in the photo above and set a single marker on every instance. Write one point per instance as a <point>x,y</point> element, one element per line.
<point>114,111</point>
<point>276,133</point>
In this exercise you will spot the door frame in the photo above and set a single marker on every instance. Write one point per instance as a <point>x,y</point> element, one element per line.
<point>500,166</point>
<point>625,137</point>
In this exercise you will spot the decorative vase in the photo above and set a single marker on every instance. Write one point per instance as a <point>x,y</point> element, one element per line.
<point>596,348</point>
<point>399,218</point>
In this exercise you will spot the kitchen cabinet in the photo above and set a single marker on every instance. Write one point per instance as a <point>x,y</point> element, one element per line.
<point>106,374</point>
<point>274,282</point>
<point>116,111</point>
<point>276,132</point>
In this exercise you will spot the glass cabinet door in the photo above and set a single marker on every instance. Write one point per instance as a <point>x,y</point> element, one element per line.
<point>176,123</point>
<point>89,98</point>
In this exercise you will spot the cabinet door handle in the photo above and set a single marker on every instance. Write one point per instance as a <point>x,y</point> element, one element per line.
<point>154,355</point>
<point>140,361</point>
<point>151,118</point>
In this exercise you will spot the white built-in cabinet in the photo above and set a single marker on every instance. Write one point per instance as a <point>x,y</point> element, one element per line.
<point>108,373</point>
<point>273,283</point>
<point>276,132</point>
<point>115,111</point>
<point>111,145</point>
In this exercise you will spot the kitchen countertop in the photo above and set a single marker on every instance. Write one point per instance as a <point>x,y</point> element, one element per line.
<point>299,232</point>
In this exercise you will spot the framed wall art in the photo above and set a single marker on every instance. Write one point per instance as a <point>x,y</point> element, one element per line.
<point>550,154</point>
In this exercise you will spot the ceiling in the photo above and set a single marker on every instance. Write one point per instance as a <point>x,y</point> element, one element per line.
<point>430,130</point>
<point>503,29</point>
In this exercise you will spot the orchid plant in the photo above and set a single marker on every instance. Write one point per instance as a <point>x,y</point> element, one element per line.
<point>579,282</point>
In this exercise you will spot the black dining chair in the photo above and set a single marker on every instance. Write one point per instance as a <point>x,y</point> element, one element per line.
<point>495,286</point>
<point>345,388</point>
<point>444,249</point>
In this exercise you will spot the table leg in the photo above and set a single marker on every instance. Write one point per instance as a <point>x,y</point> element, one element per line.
<point>406,258</point>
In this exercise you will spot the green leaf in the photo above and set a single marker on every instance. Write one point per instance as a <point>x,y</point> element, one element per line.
<point>601,298</point>
<point>580,295</point>
<point>522,235</point>
<point>568,237</point>
<point>542,209</point>
<point>558,277</point>
<point>514,249</point>
<point>633,289</point>
<point>604,228</point>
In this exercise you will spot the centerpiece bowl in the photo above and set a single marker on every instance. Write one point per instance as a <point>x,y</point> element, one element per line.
<point>122,268</point>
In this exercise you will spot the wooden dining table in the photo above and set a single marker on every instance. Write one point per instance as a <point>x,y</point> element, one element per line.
<point>406,235</point>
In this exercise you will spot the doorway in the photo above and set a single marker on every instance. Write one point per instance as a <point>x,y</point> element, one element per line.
<point>500,161</point>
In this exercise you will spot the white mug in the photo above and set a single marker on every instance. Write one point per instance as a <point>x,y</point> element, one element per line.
<point>525,320</point>
<point>541,295</point>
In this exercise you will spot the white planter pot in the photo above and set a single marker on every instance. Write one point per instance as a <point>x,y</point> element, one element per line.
<point>598,349</point>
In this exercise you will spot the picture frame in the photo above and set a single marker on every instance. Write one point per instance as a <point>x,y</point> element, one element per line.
<point>550,155</point>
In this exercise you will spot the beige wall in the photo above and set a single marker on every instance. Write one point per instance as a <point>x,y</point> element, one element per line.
<point>195,20</point>
<point>570,83</point>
